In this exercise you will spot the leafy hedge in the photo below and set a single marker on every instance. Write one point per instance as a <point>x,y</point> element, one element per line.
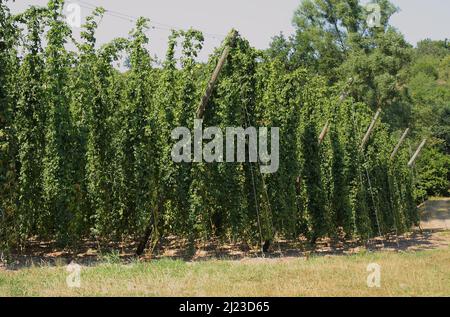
<point>85,148</point>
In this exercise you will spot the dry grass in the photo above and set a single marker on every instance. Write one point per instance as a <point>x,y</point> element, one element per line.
<point>424,273</point>
<point>419,265</point>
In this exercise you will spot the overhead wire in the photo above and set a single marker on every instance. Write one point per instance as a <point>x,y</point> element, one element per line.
<point>154,24</point>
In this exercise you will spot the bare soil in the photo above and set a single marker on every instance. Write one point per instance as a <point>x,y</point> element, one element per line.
<point>435,214</point>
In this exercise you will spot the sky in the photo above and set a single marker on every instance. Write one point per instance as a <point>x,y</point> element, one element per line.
<point>256,20</point>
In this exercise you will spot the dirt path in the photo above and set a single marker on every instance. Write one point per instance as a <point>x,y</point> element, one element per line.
<point>435,214</point>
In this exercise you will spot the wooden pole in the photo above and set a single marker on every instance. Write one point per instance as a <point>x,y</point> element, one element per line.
<point>399,144</point>
<point>345,93</point>
<point>369,131</point>
<point>324,132</point>
<point>149,230</point>
<point>419,149</point>
<point>326,128</point>
<point>212,82</point>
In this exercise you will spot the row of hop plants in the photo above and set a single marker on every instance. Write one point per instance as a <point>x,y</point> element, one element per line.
<point>85,148</point>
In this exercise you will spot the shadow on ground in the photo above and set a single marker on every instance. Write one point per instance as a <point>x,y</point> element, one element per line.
<point>432,234</point>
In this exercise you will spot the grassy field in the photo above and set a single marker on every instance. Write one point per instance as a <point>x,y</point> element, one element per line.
<point>424,273</point>
<point>419,266</point>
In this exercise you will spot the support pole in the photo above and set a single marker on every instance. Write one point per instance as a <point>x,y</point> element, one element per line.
<point>399,144</point>
<point>326,128</point>
<point>370,130</point>
<point>324,132</point>
<point>414,157</point>
<point>150,227</point>
<point>346,93</point>
<point>215,75</point>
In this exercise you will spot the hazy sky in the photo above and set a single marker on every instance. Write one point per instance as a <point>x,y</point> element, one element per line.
<point>256,20</point>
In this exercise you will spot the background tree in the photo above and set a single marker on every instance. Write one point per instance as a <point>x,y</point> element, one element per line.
<point>429,88</point>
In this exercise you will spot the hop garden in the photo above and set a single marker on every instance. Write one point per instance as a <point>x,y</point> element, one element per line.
<point>85,147</point>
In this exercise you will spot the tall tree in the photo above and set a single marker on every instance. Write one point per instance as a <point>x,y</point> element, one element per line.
<point>333,38</point>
